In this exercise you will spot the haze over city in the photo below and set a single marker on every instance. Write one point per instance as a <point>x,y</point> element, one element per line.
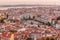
<point>32,2</point>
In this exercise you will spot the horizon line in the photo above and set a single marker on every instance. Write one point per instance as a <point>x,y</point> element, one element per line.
<point>18,5</point>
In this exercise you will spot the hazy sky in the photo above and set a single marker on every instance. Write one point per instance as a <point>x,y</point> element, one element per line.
<point>44,2</point>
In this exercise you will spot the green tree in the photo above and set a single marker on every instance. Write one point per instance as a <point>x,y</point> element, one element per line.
<point>42,38</point>
<point>48,23</point>
<point>13,31</point>
<point>29,39</point>
<point>47,38</point>
<point>52,39</point>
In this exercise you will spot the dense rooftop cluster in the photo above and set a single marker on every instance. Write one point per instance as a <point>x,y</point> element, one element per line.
<point>35,23</point>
